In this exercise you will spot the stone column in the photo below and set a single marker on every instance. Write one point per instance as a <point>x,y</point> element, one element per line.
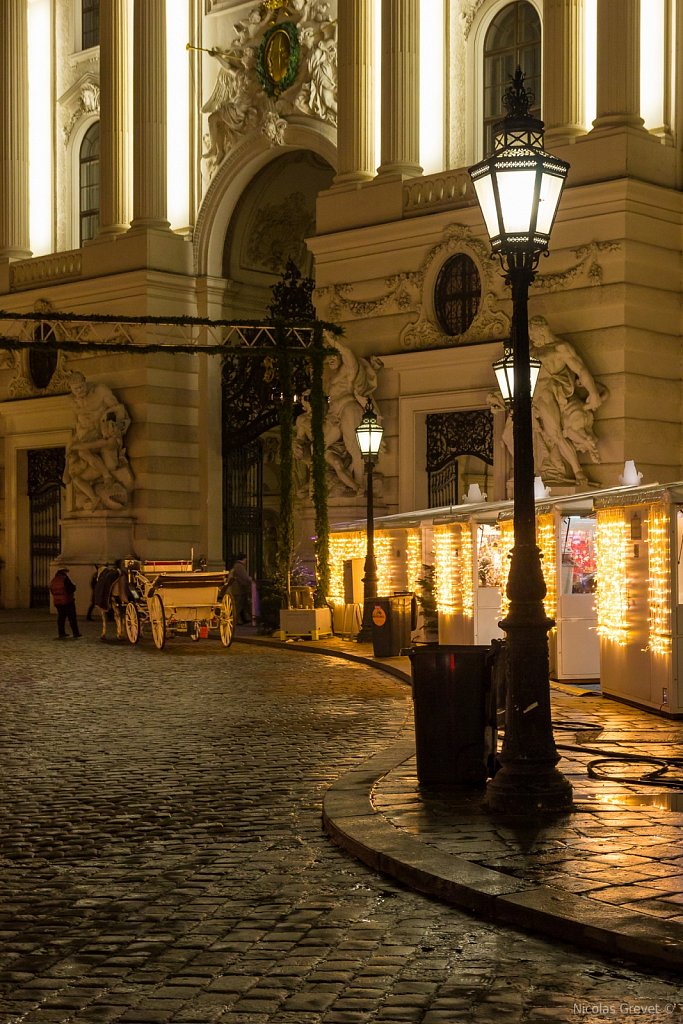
<point>356,100</point>
<point>149,114</point>
<point>114,127</point>
<point>618,82</point>
<point>400,88</point>
<point>563,72</point>
<point>14,191</point>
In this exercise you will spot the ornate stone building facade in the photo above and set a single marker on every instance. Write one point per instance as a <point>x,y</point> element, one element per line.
<point>165,158</point>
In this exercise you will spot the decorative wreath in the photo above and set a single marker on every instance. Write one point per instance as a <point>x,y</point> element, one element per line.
<point>277,61</point>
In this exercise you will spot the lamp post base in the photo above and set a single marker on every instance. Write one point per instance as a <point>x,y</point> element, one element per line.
<point>529,790</point>
<point>365,635</point>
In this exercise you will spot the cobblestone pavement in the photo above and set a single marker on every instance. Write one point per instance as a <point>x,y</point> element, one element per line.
<point>162,858</point>
<point>621,845</point>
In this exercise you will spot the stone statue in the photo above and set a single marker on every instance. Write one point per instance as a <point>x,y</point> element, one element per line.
<point>348,382</point>
<point>336,455</point>
<point>564,405</point>
<point>96,461</point>
<point>231,107</point>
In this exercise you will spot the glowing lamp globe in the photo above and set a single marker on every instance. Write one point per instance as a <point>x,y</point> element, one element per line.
<point>369,433</point>
<point>520,185</point>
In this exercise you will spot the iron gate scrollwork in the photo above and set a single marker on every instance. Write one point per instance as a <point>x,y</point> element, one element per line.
<point>45,472</point>
<point>250,396</point>
<point>450,435</point>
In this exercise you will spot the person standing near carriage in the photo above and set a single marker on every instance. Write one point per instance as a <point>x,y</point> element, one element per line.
<point>239,585</point>
<point>63,590</point>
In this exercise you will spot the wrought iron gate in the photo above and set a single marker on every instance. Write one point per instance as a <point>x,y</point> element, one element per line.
<point>243,505</point>
<point>449,435</point>
<point>45,472</point>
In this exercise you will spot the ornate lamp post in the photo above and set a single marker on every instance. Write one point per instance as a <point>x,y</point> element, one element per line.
<point>369,436</point>
<point>519,189</point>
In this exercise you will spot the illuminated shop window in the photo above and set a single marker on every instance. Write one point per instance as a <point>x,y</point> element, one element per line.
<point>579,565</point>
<point>513,39</point>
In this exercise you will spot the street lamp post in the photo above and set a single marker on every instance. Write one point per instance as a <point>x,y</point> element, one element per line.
<point>519,189</point>
<point>369,436</point>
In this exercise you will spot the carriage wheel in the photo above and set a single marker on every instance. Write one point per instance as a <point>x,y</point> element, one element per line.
<point>157,620</point>
<point>132,620</point>
<point>227,620</point>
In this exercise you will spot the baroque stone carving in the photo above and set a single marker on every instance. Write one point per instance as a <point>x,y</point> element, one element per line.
<point>81,101</point>
<point>401,294</point>
<point>97,464</point>
<point>32,376</point>
<point>348,382</point>
<point>274,68</point>
<point>490,321</point>
<point>587,262</point>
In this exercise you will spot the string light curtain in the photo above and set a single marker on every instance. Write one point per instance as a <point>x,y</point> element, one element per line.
<point>547,543</point>
<point>447,569</point>
<point>467,570</point>
<point>659,581</point>
<point>353,545</point>
<point>611,544</point>
<point>413,558</point>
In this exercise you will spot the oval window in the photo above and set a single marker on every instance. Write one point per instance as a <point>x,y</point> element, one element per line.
<point>457,294</point>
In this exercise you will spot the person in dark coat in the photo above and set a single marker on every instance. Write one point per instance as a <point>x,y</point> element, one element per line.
<point>239,585</point>
<point>63,590</point>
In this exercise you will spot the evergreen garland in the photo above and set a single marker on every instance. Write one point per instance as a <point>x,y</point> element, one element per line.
<point>285,535</point>
<point>319,473</point>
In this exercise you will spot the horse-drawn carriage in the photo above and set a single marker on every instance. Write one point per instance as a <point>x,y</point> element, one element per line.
<point>172,597</point>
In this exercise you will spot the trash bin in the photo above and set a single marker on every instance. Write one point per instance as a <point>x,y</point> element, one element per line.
<point>392,619</point>
<point>455,720</point>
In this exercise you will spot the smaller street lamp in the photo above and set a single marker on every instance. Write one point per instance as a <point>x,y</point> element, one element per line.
<point>369,436</point>
<point>504,369</point>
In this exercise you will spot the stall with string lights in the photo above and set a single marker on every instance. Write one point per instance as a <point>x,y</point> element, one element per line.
<point>640,596</point>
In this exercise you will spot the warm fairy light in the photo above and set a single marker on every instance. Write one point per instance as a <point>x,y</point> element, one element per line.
<point>384,548</point>
<point>546,540</point>
<point>413,558</point>
<point>446,569</point>
<point>611,542</point>
<point>354,545</point>
<point>506,542</point>
<point>342,547</point>
<point>466,570</point>
<point>659,603</point>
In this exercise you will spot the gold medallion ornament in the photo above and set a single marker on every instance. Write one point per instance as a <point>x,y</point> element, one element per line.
<point>278,58</point>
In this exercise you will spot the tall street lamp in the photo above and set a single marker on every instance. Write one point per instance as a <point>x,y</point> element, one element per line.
<point>519,189</point>
<point>369,437</point>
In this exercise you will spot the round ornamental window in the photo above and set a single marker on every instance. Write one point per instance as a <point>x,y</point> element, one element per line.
<point>457,294</point>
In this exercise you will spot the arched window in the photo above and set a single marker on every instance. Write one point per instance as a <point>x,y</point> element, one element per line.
<point>90,23</point>
<point>513,38</point>
<point>89,183</point>
<point>457,294</point>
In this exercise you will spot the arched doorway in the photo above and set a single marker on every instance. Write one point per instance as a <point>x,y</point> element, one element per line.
<point>269,226</point>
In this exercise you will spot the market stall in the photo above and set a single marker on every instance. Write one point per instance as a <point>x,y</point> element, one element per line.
<point>640,596</point>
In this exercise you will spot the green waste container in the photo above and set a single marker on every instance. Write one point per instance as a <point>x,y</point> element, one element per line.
<point>455,715</point>
<point>392,624</point>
